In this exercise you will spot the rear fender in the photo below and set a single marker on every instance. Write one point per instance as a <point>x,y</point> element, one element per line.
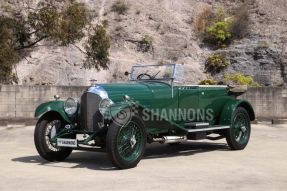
<point>231,106</point>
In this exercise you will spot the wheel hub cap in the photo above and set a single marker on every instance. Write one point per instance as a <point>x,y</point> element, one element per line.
<point>133,141</point>
<point>243,129</point>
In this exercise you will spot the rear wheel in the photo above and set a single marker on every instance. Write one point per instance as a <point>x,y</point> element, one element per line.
<point>238,135</point>
<point>126,144</point>
<point>46,129</point>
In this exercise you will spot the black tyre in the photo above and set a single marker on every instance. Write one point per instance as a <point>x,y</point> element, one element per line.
<point>125,144</point>
<point>238,135</point>
<point>45,129</point>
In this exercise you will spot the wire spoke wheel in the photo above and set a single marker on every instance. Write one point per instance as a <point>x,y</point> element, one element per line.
<point>51,131</point>
<point>238,135</point>
<point>129,141</point>
<point>241,123</point>
<point>126,144</point>
<point>46,129</point>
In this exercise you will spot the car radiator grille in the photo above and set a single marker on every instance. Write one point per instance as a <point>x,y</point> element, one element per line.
<point>91,117</point>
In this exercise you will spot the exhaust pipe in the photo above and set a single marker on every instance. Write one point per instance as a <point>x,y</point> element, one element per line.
<point>170,139</point>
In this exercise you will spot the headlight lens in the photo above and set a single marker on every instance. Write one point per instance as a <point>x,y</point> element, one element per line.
<point>104,105</point>
<point>71,106</point>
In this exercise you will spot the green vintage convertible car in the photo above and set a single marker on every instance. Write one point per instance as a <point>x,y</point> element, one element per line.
<point>154,106</point>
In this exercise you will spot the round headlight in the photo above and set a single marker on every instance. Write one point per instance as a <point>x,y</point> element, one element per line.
<point>71,106</point>
<point>104,105</point>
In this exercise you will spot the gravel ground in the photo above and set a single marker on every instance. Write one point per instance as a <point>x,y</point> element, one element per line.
<point>201,165</point>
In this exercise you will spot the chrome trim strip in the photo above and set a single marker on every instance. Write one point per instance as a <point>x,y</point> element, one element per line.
<point>208,129</point>
<point>196,124</point>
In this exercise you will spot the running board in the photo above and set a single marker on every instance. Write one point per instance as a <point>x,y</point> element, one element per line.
<point>207,129</point>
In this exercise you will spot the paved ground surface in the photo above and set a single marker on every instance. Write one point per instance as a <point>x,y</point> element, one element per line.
<point>191,166</point>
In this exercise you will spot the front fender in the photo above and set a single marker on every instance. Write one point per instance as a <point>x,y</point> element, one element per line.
<point>230,107</point>
<point>54,106</point>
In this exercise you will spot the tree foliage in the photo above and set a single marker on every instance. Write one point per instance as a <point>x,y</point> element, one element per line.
<point>61,25</point>
<point>98,49</point>
<point>10,36</point>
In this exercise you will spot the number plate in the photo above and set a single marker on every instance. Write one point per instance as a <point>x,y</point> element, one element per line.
<point>67,143</point>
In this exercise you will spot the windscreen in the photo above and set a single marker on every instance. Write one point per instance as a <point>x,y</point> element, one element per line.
<point>150,72</point>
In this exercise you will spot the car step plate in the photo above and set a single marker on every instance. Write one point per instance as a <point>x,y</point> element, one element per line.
<point>67,143</point>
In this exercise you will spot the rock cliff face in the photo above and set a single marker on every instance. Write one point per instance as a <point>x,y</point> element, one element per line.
<point>256,58</point>
<point>262,54</point>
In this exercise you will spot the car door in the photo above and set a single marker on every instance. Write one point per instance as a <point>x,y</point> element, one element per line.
<point>211,102</point>
<point>188,100</point>
<point>164,100</point>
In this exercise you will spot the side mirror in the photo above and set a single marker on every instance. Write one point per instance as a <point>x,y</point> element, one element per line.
<point>127,73</point>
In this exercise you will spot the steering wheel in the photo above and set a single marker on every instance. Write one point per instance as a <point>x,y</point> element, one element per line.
<point>142,75</point>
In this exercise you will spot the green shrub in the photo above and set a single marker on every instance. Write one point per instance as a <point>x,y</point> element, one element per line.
<point>120,7</point>
<point>97,49</point>
<point>216,62</point>
<point>208,81</point>
<point>240,79</point>
<point>219,33</point>
<point>217,27</point>
<point>145,44</point>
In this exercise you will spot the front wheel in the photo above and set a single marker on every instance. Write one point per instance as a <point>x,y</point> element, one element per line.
<point>238,135</point>
<point>46,129</point>
<point>126,144</point>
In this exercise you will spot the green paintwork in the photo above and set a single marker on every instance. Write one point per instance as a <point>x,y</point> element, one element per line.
<point>155,95</point>
<point>229,108</point>
<point>52,106</point>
